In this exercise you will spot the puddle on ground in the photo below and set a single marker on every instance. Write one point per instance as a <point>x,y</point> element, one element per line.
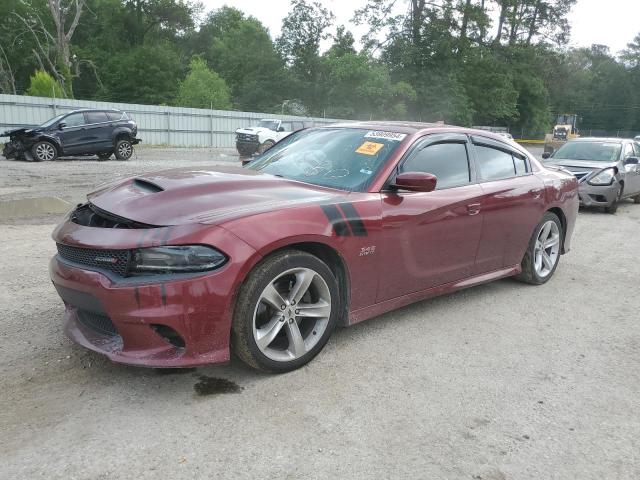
<point>27,207</point>
<point>215,386</point>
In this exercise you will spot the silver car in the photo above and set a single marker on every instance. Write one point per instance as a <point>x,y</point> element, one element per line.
<point>608,169</point>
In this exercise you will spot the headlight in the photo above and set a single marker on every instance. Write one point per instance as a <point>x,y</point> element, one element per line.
<point>178,259</point>
<point>605,177</point>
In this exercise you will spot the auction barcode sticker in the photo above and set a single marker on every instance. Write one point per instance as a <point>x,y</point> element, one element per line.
<point>398,137</point>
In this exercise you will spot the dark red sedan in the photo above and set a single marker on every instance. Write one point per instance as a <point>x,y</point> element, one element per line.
<point>331,226</point>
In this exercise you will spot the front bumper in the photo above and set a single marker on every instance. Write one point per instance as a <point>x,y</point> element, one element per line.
<point>597,196</point>
<point>12,149</point>
<point>141,321</point>
<point>247,147</point>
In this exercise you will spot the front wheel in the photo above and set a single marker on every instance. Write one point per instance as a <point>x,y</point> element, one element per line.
<point>613,208</point>
<point>265,146</point>
<point>285,312</point>
<point>543,252</point>
<point>44,152</point>
<point>124,150</point>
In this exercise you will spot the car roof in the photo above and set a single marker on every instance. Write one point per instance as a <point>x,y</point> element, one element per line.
<point>600,139</point>
<point>80,110</point>
<point>394,126</point>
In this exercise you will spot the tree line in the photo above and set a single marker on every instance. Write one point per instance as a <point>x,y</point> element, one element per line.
<point>448,60</point>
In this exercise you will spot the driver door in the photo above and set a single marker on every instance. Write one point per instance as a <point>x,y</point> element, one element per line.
<point>431,238</point>
<point>73,133</point>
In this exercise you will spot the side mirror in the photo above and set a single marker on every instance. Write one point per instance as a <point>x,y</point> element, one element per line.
<point>61,125</point>
<point>546,155</point>
<point>415,182</point>
<point>281,129</point>
<point>632,161</point>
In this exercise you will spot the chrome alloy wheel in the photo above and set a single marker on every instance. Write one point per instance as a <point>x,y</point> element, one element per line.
<point>547,249</point>
<point>292,314</point>
<point>125,150</point>
<point>45,152</point>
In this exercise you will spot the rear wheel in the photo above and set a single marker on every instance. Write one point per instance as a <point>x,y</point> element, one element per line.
<point>636,199</point>
<point>124,150</point>
<point>543,252</point>
<point>44,152</point>
<point>285,312</point>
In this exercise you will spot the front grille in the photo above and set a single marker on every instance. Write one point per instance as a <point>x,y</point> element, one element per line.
<point>246,137</point>
<point>580,175</point>
<point>116,261</point>
<point>97,322</point>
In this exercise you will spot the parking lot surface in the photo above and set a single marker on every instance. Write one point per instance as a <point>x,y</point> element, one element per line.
<point>500,381</point>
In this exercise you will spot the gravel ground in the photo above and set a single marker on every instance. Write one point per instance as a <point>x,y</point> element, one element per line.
<point>501,381</point>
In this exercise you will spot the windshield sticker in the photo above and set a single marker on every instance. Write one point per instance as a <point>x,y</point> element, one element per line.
<point>370,148</point>
<point>397,137</point>
<point>365,171</point>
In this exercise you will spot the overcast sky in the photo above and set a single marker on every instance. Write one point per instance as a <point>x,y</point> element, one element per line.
<point>610,22</point>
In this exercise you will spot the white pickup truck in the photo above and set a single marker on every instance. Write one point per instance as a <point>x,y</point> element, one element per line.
<point>265,135</point>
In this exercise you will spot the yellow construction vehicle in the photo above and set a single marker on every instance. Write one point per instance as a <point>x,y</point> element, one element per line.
<point>564,129</point>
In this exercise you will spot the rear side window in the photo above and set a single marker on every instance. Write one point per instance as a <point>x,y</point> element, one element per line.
<point>520,164</point>
<point>286,127</point>
<point>96,117</point>
<point>494,164</point>
<point>449,162</point>
<point>113,116</point>
<point>636,148</point>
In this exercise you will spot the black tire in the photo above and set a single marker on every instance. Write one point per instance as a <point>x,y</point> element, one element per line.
<point>44,152</point>
<point>636,199</point>
<point>104,156</point>
<point>266,145</point>
<point>124,150</point>
<point>529,274</point>
<point>242,333</point>
<point>613,208</point>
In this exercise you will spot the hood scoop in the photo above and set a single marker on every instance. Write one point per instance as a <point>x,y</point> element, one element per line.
<point>147,186</point>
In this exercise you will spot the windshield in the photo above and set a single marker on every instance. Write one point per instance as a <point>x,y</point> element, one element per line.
<point>270,124</point>
<point>343,158</point>
<point>597,151</point>
<point>48,123</point>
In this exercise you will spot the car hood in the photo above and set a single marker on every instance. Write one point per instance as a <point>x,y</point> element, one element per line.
<point>253,130</point>
<point>581,164</point>
<point>19,131</point>
<point>212,196</point>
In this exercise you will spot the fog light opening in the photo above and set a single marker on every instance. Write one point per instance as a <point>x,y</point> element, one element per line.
<point>169,334</point>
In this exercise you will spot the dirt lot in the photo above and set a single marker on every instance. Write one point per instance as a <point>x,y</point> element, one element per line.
<point>501,381</point>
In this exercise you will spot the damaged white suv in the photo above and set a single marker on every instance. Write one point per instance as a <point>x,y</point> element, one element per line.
<point>265,135</point>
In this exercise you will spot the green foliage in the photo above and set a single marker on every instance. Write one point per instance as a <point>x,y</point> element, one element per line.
<point>203,88</point>
<point>467,62</point>
<point>43,85</point>
<point>145,74</point>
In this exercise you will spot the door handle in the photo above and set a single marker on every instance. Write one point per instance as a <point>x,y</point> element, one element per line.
<point>535,193</point>
<point>473,208</point>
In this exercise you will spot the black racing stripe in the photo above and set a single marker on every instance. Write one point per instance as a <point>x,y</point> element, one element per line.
<point>354,219</point>
<point>337,222</point>
<point>163,294</point>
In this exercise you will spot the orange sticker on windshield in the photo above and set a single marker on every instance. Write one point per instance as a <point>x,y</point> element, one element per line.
<point>369,148</point>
